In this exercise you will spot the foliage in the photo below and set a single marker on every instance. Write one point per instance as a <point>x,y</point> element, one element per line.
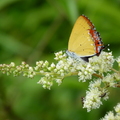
<point>31,30</point>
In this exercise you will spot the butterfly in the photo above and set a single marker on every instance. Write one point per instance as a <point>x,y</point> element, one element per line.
<point>84,41</point>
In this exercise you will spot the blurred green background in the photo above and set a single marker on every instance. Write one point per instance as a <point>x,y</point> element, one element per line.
<point>32,30</point>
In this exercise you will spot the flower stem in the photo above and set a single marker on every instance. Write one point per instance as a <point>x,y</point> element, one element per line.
<point>97,75</point>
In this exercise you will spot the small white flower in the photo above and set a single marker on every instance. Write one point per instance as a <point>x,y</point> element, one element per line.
<point>59,55</point>
<point>62,74</point>
<point>109,79</point>
<point>45,64</point>
<point>44,86</point>
<point>42,81</point>
<point>41,71</point>
<point>30,76</point>
<point>58,66</point>
<point>59,81</point>
<point>12,64</point>
<point>55,70</point>
<point>36,68</point>
<point>18,68</point>
<point>47,75</point>
<point>52,65</point>
<point>95,83</point>
<point>26,66</point>
<point>30,69</point>
<point>116,76</point>
<point>23,63</point>
<point>39,63</point>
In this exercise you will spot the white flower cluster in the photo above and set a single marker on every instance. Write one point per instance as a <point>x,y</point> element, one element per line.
<point>111,115</point>
<point>7,68</point>
<point>67,66</point>
<point>97,90</point>
<point>94,95</point>
<point>57,72</point>
<point>103,63</point>
<point>101,67</point>
<point>17,70</point>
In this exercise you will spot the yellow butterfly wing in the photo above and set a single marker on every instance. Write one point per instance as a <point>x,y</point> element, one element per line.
<point>80,41</point>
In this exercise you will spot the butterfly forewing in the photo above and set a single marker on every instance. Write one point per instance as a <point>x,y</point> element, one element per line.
<point>81,41</point>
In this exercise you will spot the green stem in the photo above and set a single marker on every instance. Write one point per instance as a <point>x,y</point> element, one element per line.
<point>114,70</point>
